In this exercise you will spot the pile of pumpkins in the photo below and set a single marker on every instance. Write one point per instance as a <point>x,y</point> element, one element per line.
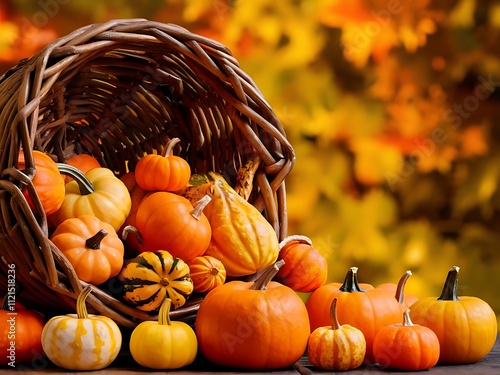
<point>164,233</point>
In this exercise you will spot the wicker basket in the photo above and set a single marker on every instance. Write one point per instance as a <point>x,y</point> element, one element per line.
<point>117,90</point>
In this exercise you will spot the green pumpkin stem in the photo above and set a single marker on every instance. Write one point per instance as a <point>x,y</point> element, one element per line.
<point>83,182</point>
<point>164,313</point>
<point>333,315</point>
<point>170,146</point>
<point>351,282</point>
<point>400,290</point>
<point>406,319</point>
<point>450,287</point>
<point>81,308</point>
<point>94,242</point>
<point>200,206</point>
<point>267,275</point>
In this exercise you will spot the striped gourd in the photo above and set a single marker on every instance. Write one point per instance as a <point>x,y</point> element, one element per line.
<point>207,273</point>
<point>81,341</point>
<point>151,277</point>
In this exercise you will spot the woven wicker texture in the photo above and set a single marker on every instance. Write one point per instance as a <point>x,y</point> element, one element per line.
<point>118,90</point>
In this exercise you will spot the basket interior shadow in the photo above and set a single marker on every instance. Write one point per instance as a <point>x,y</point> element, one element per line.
<point>119,90</point>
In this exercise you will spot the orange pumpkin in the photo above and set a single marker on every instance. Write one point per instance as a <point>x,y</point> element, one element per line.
<point>406,346</point>
<point>261,325</point>
<point>405,299</point>
<point>48,182</point>
<point>163,172</point>
<point>305,268</point>
<point>169,221</point>
<point>84,162</point>
<point>91,246</point>
<point>368,310</point>
<point>207,273</point>
<point>466,326</point>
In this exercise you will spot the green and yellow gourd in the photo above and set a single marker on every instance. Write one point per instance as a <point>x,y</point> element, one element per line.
<point>151,277</point>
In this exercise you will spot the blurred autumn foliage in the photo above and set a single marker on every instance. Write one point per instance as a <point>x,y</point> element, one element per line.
<point>392,108</point>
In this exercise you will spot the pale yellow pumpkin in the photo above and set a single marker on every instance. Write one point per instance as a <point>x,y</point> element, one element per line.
<point>81,341</point>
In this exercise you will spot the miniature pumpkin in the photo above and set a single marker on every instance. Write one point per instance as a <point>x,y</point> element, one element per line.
<point>336,347</point>
<point>48,182</point>
<point>207,273</point>
<point>98,192</point>
<point>305,268</point>
<point>163,172</point>
<point>259,325</point>
<point>466,327</point>
<point>20,331</point>
<point>84,162</point>
<point>151,277</point>
<point>368,310</point>
<point>81,341</point>
<point>406,346</point>
<point>169,221</point>
<point>163,344</point>
<point>91,246</point>
<point>230,215</point>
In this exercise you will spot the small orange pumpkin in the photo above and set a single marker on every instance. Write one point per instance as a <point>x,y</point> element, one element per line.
<point>91,246</point>
<point>207,273</point>
<point>305,268</point>
<point>48,182</point>
<point>406,346</point>
<point>169,221</point>
<point>163,172</point>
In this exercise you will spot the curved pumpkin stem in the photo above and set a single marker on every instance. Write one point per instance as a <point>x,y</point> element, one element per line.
<point>83,182</point>
<point>406,318</point>
<point>94,242</point>
<point>164,313</point>
<point>170,146</point>
<point>296,237</point>
<point>81,308</point>
<point>450,287</point>
<point>130,229</point>
<point>400,290</point>
<point>351,282</point>
<point>267,276</point>
<point>333,315</point>
<point>200,206</point>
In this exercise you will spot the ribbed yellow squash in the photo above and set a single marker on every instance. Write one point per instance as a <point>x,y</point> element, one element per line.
<point>242,238</point>
<point>81,341</point>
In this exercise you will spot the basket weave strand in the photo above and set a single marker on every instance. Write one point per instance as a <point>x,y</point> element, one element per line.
<point>119,90</point>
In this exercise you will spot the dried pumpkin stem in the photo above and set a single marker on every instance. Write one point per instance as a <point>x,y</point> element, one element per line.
<point>351,281</point>
<point>400,290</point>
<point>333,315</point>
<point>406,318</point>
<point>130,229</point>
<point>164,313</point>
<point>200,206</point>
<point>295,237</point>
<point>170,146</point>
<point>267,275</point>
<point>81,308</point>
<point>83,182</point>
<point>450,287</point>
<point>94,242</point>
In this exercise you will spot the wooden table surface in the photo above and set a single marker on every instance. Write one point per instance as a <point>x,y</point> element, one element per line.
<point>124,364</point>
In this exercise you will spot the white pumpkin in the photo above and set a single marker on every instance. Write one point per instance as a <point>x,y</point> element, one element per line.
<point>81,341</point>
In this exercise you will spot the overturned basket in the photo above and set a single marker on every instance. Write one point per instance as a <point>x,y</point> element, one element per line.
<point>118,90</point>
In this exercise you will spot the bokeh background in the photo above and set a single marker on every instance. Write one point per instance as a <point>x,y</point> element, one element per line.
<point>392,107</point>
